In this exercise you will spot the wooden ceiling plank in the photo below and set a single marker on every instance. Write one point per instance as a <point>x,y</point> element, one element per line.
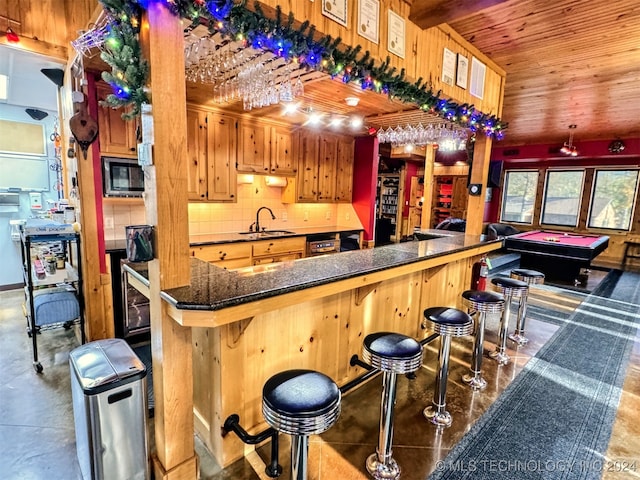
<point>429,13</point>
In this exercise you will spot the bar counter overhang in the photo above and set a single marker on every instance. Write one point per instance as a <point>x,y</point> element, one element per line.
<point>311,313</point>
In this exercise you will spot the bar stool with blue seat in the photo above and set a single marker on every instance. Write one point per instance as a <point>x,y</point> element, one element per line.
<point>393,354</point>
<point>479,303</point>
<point>530,277</point>
<point>300,403</point>
<point>448,323</point>
<point>510,288</point>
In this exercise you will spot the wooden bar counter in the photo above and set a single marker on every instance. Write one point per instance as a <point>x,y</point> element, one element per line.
<point>251,323</point>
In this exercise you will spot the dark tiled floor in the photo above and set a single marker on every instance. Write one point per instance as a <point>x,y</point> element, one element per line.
<point>37,439</point>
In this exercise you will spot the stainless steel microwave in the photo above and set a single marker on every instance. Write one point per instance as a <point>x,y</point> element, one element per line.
<point>122,177</point>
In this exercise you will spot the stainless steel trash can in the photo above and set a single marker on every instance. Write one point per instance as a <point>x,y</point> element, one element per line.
<point>109,390</point>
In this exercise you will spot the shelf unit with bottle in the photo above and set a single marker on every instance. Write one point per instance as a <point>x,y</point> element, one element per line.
<point>389,204</point>
<point>53,284</point>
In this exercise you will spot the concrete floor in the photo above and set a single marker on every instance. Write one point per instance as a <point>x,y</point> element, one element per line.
<point>37,439</point>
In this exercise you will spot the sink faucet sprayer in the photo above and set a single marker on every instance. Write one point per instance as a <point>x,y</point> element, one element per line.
<point>257,224</point>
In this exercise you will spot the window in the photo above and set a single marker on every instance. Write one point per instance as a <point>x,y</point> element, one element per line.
<point>561,204</point>
<point>519,196</point>
<point>612,199</point>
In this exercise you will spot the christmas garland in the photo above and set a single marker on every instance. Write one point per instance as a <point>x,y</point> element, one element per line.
<point>129,70</point>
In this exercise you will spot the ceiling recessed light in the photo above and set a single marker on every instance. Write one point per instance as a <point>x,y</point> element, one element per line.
<point>352,101</point>
<point>314,118</point>
<point>336,121</point>
<point>290,108</point>
<point>356,122</point>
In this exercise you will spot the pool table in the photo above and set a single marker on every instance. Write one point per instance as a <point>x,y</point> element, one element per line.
<point>558,255</point>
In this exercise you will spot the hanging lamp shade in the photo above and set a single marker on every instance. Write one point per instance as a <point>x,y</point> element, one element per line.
<point>56,75</point>
<point>36,114</point>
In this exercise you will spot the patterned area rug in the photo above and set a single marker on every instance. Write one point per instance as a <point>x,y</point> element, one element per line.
<point>555,419</point>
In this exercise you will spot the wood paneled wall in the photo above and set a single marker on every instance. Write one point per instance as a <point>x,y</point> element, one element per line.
<point>423,48</point>
<point>53,22</point>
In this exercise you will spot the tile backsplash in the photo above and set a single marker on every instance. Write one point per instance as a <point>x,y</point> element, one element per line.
<point>236,217</point>
<point>118,216</point>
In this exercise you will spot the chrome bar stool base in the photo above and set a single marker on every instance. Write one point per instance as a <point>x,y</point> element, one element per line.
<point>438,418</point>
<point>500,357</point>
<point>448,323</point>
<point>393,354</point>
<point>510,288</point>
<point>518,338</point>
<point>475,381</point>
<point>479,303</point>
<point>389,470</point>
<point>530,277</point>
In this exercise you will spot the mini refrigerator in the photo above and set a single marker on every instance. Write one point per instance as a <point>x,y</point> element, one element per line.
<point>109,388</point>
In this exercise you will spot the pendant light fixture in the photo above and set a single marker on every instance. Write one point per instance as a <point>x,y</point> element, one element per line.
<point>569,148</point>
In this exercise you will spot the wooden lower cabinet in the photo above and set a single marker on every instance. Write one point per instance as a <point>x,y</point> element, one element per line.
<point>278,250</point>
<point>225,255</point>
<point>244,254</point>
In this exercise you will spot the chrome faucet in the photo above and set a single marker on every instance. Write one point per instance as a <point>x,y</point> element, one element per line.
<point>257,224</point>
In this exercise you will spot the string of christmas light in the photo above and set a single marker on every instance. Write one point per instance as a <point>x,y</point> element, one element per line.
<point>279,36</point>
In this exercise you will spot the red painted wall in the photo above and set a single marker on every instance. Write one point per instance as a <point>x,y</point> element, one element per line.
<point>365,182</point>
<point>97,175</point>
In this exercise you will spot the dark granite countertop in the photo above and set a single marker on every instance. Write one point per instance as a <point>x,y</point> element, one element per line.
<point>213,288</point>
<point>211,238</point>
<point>111,246</point>
<point>117,245</point>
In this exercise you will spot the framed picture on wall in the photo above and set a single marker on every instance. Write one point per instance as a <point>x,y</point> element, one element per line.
<point>369,19</point>
<point>448,67</point>
<point>396,32</point>
<point>336,10</point>
<point>462,73</point>
<point>478,70</point>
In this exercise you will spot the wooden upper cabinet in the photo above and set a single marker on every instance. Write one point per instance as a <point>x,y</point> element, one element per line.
<point>253,147</point>
<point>211,156</point>
<point>265,148</point>
<point>196,154</point>
<point>327,168</point>
<point>117,136</point>
<point>344,171</point>
<point>307,176</point>
<point>283,160</point>
<point>221,157</point>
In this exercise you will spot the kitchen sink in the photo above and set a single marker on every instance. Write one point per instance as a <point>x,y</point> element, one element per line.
<point>277,232</point>
<point>268,233</point>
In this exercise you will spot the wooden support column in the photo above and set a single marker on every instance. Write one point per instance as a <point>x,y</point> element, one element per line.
<point>479,172</point>
<point>167,210</point>
<point>427,204</point>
